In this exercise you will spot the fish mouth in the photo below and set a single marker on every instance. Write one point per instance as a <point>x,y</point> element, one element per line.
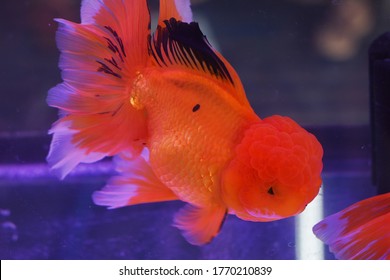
<point>265,215</point>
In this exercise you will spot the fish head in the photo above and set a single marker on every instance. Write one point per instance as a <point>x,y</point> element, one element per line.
<point>275,172</point>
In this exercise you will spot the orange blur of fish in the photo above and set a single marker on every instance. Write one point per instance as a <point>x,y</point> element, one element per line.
<point>174,114</point>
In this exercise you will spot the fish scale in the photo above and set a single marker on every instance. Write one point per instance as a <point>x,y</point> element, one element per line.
<point>188,152</point>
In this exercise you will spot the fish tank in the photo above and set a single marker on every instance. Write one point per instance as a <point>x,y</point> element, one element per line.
<point>306,59</point>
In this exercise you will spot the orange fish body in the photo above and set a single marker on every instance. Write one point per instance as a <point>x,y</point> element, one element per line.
<point>174,113</point>
<point>185,138</point>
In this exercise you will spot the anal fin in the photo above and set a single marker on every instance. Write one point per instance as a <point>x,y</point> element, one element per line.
<point>137,184</point>
<point>200,225</point>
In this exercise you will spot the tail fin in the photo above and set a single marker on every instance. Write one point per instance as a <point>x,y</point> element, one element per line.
<point>361,231</point>
<point>99,61</point>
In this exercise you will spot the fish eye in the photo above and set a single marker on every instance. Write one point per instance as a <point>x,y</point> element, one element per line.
<point>271,191</point>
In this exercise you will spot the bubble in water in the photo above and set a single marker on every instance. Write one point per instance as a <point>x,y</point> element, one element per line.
<point>8,232</point>
<point>5,212</point>
<point>291,244</point>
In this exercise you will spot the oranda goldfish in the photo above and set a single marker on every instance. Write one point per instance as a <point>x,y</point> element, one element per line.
<point>361,231</point>
<point>174,113</point>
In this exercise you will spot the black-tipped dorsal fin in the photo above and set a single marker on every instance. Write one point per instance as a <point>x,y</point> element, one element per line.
<point>183,44</point>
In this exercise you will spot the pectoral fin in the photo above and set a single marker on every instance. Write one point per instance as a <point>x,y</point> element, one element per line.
<point>136,184</point>
<point>200,225</point>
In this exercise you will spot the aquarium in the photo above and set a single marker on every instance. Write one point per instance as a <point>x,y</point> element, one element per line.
<point>308,60</point>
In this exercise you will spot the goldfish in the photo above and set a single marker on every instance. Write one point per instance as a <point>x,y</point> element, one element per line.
<point>174,115</point>
<point>360,231</point>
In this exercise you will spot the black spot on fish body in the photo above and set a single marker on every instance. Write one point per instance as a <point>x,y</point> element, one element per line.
<point>196,108</point>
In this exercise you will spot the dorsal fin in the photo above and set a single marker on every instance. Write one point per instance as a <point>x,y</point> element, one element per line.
<point>181,43</point>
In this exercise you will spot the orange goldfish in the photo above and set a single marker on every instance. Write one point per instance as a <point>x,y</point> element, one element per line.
<point>174,113</point>
<point>361,231</point>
